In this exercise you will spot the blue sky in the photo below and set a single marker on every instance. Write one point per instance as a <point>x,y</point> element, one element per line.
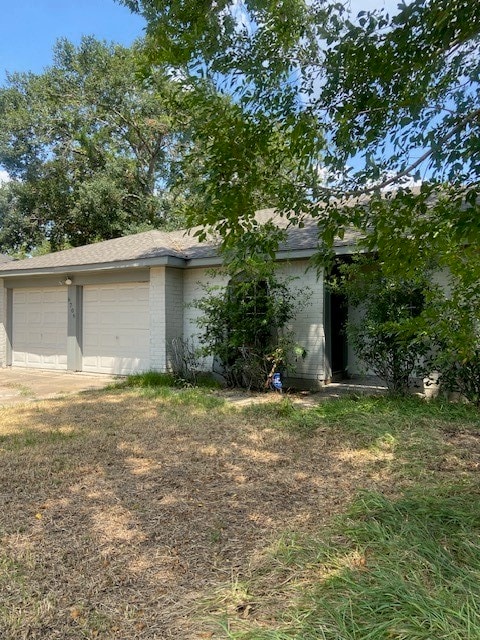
<point>30,28</point>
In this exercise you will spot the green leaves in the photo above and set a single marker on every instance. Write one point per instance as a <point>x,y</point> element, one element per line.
<point>315,86</point>
<point>92,145</point>
<point>243,324</point>
<point>410,82</point>
<point>389,333</point>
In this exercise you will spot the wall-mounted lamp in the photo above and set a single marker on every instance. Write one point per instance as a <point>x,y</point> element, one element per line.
<point>67,281</point>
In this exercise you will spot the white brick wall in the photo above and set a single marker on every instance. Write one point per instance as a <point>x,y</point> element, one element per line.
<point>307,326</point>
<point>192,290</point>
<point>166,313</point>
<point>157,319</point>
<point>174,306</point>
<point>3,325</point>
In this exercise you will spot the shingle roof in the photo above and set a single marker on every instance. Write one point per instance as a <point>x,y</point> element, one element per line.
<point>4,258</point>
<point>159,244</point>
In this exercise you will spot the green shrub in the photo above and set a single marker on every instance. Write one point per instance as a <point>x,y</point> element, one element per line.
<point>456,339</point>
<point>243,324</point>
<point>390,336</point>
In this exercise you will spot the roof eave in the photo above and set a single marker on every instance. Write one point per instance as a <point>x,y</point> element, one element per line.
<point>163,261</point>
<point>282,255</point>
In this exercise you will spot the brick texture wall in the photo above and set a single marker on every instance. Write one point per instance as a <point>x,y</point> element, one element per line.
<point>166,314</point>
<point>157,319</point>
<point>3,325</point>
<point>192,290</point>
<point>174,307</point>
<point>307,327</point>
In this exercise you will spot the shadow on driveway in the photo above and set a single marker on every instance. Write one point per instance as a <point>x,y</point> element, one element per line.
<point>23,385</point>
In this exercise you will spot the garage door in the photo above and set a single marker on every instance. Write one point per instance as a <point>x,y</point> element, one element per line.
<point>116,331</point>
<point>39,328</point>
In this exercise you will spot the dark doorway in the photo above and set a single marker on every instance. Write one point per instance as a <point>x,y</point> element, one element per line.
<point>336,343</point>
<point>338,315</point>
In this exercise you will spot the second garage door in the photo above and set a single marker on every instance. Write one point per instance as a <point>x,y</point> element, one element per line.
<point>116,323</point>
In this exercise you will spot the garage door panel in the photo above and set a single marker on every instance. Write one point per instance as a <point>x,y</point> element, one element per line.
<point>126,321</point>
<point>21,359</point>
<point>129,342</point>
<point>54,359</point>
<point>25,319</point>
<point>50,318</point>
<point>109,296</point>
<point>51,297</point>
<point>34,359</point>
<point>36,297</point>
<point>89,342</point>
<point>50,339</point>
<point>116,336</point>
<point>39,328</point>
<point>122,316</point>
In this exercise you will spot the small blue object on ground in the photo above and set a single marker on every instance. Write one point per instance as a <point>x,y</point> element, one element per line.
<point>276,382</point>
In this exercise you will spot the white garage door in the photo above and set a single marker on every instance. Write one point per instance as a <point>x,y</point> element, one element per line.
<point>116,331</point>
<point>39,328</point>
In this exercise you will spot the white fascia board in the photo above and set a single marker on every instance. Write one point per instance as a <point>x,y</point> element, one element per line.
<point>210,261</point>
<point>164,261</point>
<point>348,250</point>
<point>281,256</point>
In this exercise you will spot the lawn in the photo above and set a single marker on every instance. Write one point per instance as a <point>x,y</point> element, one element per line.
<point>157,513</point>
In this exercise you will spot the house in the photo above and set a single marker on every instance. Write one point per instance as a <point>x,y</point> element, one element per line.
<point>114,307</point>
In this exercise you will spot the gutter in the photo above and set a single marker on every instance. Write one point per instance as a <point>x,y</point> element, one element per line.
<point>164,261</point>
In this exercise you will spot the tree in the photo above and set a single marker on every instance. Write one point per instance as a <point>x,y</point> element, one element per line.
<point>93,149</point>
<point>356,107</point>
<point>397,94</point>
<point>258,152</point>
<point>401,95</point>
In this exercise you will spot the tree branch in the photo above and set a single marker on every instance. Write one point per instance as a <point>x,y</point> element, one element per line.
<point>458,127</point>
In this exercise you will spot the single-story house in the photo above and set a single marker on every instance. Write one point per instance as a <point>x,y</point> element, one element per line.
<point>114,307</point>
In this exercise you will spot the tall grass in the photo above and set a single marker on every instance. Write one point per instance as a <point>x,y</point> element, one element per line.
<point>396,567</point>
<point>166,388</point>
<point>401,570</point>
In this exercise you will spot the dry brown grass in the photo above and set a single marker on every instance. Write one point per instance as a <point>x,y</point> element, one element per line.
<point>121,514</point>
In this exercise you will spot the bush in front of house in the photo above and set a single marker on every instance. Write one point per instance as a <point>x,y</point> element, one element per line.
<point>389,335</point>
<point>455,323</point>
<point>244,324</point>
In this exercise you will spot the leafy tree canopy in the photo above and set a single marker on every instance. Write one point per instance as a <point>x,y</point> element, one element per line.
<point>336,115</point>
<point>390,96</point>
<point>93,149</point>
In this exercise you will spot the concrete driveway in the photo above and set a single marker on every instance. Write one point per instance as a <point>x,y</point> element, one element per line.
<point>23,385</point>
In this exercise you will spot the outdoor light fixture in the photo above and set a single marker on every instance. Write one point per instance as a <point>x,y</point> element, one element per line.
<point>67,281</point>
